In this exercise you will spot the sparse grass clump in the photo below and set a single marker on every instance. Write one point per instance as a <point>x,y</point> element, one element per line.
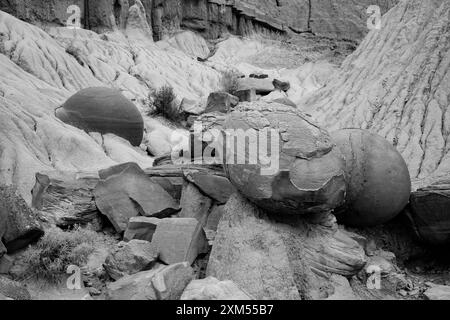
<point>57,250</point>
<point>230,82</point>
<point>163,103</point>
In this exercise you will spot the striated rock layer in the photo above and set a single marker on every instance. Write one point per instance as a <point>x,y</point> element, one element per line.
<point>397,84</point>
<point>330,18</point>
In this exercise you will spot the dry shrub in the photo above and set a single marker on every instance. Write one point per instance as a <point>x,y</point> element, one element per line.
<point>57,250</point>
<point>163,103</point>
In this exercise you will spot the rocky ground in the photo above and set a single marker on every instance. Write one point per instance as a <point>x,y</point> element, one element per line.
<point>142,227</point>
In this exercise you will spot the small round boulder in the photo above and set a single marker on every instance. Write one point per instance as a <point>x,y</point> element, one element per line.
<point>103,110</point>
<point>378,180</point>
<point>289,165</point>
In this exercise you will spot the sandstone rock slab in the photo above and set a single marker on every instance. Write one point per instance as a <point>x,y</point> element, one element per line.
<point>216,187</point>
<point>194,204</point>
<point>131,193</point>
<point>290,259</point>
<point>170,282</point>
<point>430,213</point>
<point>222,102</point>
<point>160,283</point>
<point>438,293</point>
<point>246,95</point>
<point>129,258</point>
<point>213,289</point>
<point>19,225</point>
<point>261,86</point>
<point>66,198</point>
<point>179,240</point>
<point>141,228</point>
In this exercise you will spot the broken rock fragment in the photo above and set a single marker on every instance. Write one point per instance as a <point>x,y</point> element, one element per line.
<point>179,240</point>
<point>281,85</point>
<point>128,192</point>
<point>213,289</point>
<point>261,86</point>
<point>170,282</point>
<point>160,283</point>
<point>246,95</point>
<point>437,292</point>
<point>194,204</point>
<point>141,228</point>
<point>129,258</point>
<point>19,225</point>
<point>288,259</point>
<point>222,102</point>
<point>430,212</point>
<point>216,187</point>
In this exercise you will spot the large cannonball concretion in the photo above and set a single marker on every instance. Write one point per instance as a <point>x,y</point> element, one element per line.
<point>103,110</point>
<point>378,180</point>
<point>308,171</point>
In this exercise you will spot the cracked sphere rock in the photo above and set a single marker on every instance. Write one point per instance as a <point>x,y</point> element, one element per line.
<point>297,171</point>
<point>103,110</point>
<point>378,180</point>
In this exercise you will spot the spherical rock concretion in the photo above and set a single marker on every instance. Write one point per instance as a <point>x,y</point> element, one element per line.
<point>103,110</point>
<point>378,180</point>
<point>300,172</point>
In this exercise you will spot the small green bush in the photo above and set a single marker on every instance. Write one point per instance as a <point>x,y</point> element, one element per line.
<point>57,250</point>
<point>230,82</point>
<point>163,99</point>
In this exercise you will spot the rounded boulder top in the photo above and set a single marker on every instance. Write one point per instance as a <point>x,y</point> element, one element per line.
<point>291,165</point>
<point>103,110</point>
<point>378,180</point>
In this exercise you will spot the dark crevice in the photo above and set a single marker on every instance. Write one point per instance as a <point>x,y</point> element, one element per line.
<point>87,23</point>
<point>309,16</point>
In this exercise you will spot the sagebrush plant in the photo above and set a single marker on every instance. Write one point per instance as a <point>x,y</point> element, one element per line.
<point>163,99</point>
<point>230,82</point>
<point>57,249</point>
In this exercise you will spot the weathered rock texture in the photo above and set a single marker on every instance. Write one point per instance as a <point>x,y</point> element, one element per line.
<point>160,283</point>
<point>213,289</point>
<point>130,258</point>
<point>127,192</point>
<point>396,84</point>
<point>430,212</point>
<point>309,175</point>
<point>330,18</point>
<point>66,199</point>
<point>19,225</point>
<point>287,259</point>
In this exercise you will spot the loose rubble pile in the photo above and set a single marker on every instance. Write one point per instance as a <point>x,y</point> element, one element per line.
<point>211,232</point>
